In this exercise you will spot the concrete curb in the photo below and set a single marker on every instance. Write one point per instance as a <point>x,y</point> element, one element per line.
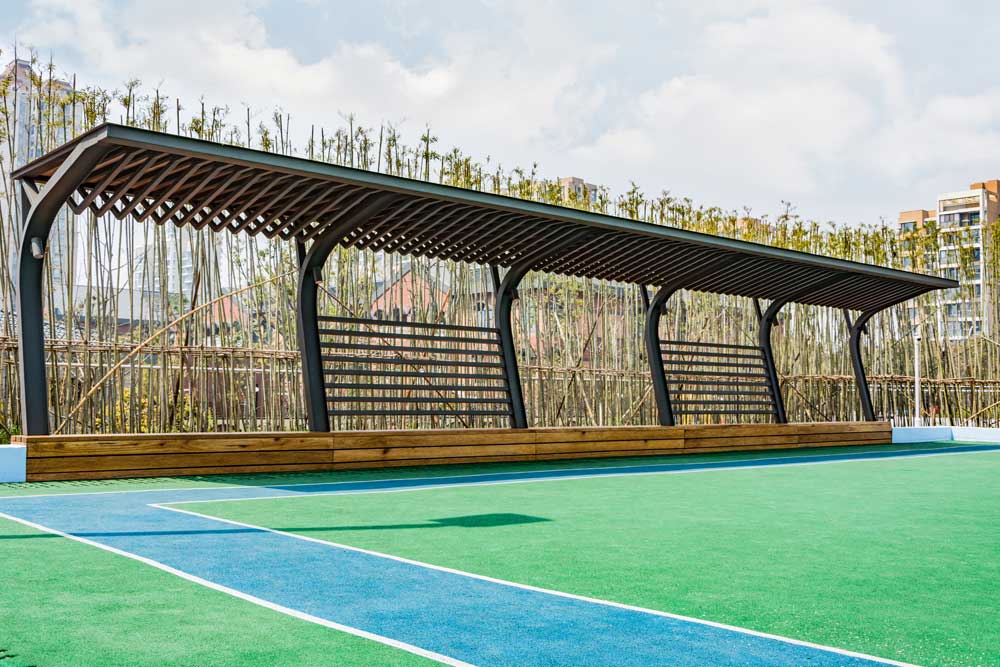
<point>904,434</point>
<point>13,463</point>
<point>975,434</point>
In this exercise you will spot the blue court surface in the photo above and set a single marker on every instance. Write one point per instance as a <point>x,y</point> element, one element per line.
<point>447,615</point>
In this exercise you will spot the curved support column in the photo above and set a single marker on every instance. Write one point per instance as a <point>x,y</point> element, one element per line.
<point>38,213</point>
<point>864,392</point>
<point>506,294</point>
<point>767,321</point>
<point>310,276</point>
<point>505,297</point>
<point>654,355</point>
<point>308,329</point>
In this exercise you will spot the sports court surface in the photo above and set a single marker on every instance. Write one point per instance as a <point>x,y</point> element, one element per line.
<point>848,557</point>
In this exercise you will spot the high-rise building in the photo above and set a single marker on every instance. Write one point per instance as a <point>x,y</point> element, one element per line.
<point>36,126</point>
<point>43,114</point>
<point>963,222</point>
<point>578,189</point>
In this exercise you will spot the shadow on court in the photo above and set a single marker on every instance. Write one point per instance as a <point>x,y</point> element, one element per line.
<point>469,521</point>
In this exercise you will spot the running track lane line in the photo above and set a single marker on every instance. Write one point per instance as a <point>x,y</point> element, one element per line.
<point>452,617</point>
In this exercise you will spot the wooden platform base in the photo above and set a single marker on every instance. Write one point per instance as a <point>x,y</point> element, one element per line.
<point>117,456</point>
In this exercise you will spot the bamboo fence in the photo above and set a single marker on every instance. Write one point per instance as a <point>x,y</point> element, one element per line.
<point>224,356</point>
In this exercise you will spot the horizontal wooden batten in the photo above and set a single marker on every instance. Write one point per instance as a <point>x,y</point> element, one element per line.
<point>192,459</point>
<point>421,453</point>
<point>69,457</point>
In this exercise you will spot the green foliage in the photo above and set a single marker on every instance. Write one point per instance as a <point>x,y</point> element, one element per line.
<point>582,338</point>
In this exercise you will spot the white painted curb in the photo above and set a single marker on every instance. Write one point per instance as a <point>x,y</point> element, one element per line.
<point>975,434</point>
<point>13,463</point>
<point>905,434</point>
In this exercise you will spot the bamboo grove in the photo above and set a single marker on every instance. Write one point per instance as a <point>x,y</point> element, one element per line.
<point>161,329</point>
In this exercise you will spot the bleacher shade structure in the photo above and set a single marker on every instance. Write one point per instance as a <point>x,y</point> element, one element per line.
<point>141,175</point>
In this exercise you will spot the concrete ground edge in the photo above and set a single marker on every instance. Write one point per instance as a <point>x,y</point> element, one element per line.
<point>13,463</point>
<point>908,434</point>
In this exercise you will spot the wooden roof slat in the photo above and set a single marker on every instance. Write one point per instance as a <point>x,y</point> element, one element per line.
<point>263,205</point>
<point>170,191</point>
<point>121,192</point>
<point>193,182</point>
<point>319,206</point>
<point>450,223</point>
<point>229,199</point>
<point>199,206</point>
<point>361,197</point>
<point>334,206</point>
<point>460,226</point>
<point>464,245</point>
<point>102,186</point>
<point>144,194</point>
<point>176,212</point>
<point>389,235</point>
<point>241,208</point>
<point>273,217</point>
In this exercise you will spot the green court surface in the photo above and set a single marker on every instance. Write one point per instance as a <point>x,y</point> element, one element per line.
<point>67,604</point>
<point>265,479</point>
<point>896,558</point>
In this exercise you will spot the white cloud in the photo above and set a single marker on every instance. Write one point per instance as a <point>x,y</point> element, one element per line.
<point>772,99</point>
<point>951,136</point>
<point>799,102</point>
<point>775,103</point>
<point>479,95</point>
<point>805,43</point>
<point>698,130</point>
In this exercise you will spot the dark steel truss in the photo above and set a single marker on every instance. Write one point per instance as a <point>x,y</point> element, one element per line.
<point>139,175</point>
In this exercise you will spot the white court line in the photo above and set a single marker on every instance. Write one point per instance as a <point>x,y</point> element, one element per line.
<point>512,584</point>
<point>223,487</point>
<point>229,486</point>
<point>430,654</point>
<point>445,659</point>
<point>560,478</point>
<point>250,598</point>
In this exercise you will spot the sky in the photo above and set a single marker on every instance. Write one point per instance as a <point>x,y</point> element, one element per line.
<point>851,111</point>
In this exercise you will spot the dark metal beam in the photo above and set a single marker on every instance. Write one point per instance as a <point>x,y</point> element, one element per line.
<point>153,160</point>
<point>505,297</point>
<point>651,333</point>
<point>506,294</point>
<point>765,323</point>
<point>310,275</point>
<point>37,215</point>
<point>857,328</point>
<point>654,355</point>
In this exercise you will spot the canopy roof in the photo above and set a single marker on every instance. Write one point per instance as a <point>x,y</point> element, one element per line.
<point>167,178</point>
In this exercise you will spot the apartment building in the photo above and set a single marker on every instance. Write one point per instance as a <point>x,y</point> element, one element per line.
<point>34,128</point>
<point>24,106</point>
<point>962,223</point>
<point>578,189</point>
